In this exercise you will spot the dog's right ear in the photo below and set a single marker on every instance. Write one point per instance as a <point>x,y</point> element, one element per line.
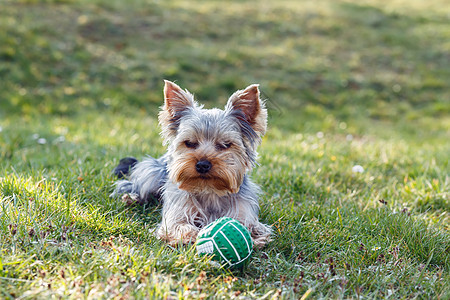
<point>176,103</point>
<point>175,99</point>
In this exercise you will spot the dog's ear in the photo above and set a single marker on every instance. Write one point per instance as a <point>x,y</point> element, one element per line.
<point>248,108</point>
<point>177,103</point>
<point>175,99</point>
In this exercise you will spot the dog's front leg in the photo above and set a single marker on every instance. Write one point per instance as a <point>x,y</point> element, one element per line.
<point>177,233</point>
<point>248,216</point>
<point>178,219</point>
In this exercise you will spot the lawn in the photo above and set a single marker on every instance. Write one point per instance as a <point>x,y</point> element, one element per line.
<point>347,84</point>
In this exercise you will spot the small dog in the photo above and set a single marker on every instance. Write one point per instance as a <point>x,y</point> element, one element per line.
<point>203,175</point>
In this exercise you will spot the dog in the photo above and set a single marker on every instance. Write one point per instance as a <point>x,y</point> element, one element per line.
<point>204,174</point>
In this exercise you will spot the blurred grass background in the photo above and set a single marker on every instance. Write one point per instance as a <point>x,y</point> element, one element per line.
<point>346,83</point>
<point>342,61</point>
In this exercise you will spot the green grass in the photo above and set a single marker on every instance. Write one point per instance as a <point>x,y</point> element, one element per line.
<point>346,82</point>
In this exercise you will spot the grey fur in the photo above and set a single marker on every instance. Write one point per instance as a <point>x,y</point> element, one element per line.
<point>146,179</point>
<point>185,213</point>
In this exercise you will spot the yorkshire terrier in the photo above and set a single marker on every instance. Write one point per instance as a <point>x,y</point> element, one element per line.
<point>204,174</point>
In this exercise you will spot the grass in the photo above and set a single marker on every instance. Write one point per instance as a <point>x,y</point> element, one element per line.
<point>347,83</point>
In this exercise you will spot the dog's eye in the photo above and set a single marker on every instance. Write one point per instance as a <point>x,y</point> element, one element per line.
<point>191,145</point>
<point>223,146</point>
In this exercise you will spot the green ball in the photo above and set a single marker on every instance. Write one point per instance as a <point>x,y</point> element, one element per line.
<point>227,241</point>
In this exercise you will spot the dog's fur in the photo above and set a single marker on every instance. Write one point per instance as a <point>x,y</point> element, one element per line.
<point>204,174</point>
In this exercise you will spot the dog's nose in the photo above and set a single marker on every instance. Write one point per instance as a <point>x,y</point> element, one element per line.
<point>203,166</point>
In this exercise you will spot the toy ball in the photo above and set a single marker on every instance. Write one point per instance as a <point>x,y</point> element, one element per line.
<point>227,241</point>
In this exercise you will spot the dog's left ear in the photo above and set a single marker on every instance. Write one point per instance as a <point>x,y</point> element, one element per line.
<point>248,108</point>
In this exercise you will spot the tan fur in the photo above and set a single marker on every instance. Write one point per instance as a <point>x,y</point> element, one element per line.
<point>221,179</point>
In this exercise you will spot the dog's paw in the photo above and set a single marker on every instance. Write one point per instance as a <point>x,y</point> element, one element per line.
<point>130,199</point>
<point>180,234</point>
<point>188,238</point>
<point>261,234</point>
